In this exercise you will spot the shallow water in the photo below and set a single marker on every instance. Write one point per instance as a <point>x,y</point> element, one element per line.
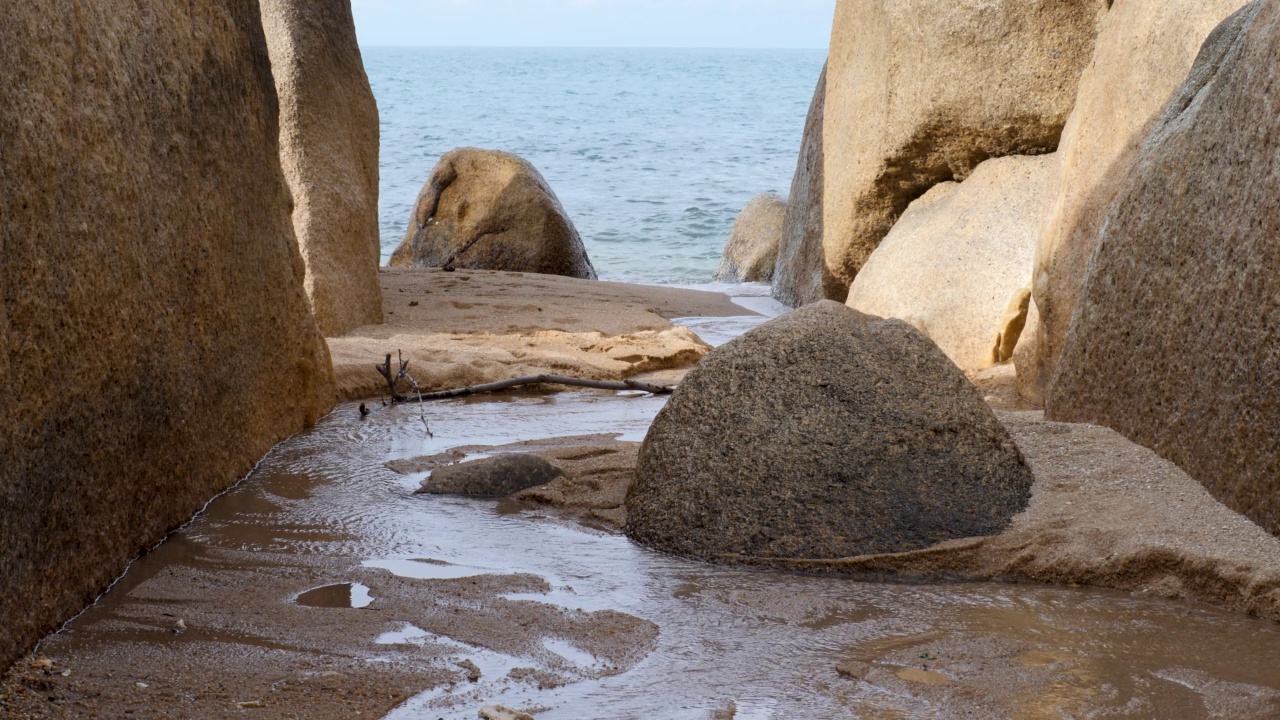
<point>770,645</point>
<point>768,642</point>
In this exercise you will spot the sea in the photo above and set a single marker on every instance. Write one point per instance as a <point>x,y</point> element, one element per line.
<point>652,152</point>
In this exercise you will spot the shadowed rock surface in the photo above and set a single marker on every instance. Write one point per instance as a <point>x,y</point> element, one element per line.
<point>960,257</point>
<point>920,92</point>
<point>824,434</point>
<point>800,276</point>
<point>491,477</point>
<point>329,152</point>
<point>1143,53</point>
<point>1175,341</point>
<point>491,210</point>
<point>752,250</point>
<point>155,337</point>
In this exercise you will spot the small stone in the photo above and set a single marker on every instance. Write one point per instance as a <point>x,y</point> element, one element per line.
<point>498,712</point>
<point>473,671</point>
<point>491,477</point>
<point>251,704</point>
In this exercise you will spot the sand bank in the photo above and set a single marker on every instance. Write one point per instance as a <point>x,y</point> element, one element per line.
<point>473,326</point>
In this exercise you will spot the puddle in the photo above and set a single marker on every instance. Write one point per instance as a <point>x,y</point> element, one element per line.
<point>345,595</point>
<point>769,643</point>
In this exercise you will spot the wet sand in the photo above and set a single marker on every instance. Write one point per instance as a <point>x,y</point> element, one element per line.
<point>472,602</point>
<point>473,326</point>
<point>321,587</point>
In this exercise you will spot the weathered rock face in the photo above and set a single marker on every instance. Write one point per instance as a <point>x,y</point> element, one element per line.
<point>329,151</point>
<point>1176,337</point>
<point>800,275</point>
<point>920,92</point>
<point>157,340</point>
<point>1143,54</point>
<point>825,433</point>
<point>959,256</point>
<point>491,477</point>
<point>491,210</point>
<point>752,250</point>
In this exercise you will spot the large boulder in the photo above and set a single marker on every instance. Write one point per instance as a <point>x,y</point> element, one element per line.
<point>491,210</point>
<point>800,276</point>
<point>920,92</point>
<point>752,250</point>
<point>823,434</point>
<point>959,255</point>
<point>155,337</point>
<point>329,151</point>
<point>1175,341</point>
<point>1143,53</point>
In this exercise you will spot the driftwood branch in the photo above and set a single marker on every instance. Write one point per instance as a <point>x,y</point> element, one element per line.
<point>394,380</point>
<point>545,380</point>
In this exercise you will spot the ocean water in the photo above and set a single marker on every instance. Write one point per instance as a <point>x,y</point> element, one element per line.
<point>651,152</point>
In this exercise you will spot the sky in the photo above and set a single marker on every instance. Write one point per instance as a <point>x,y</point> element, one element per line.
<point>595,23</point>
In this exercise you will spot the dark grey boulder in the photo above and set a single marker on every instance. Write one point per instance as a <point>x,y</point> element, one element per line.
<point>824,434</point>
<point>491,477</point>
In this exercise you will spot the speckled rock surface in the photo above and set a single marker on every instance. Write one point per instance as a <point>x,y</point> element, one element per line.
<point>329,152</point>
<point>1176,339</point>
<point>491,477</point>
<point>824,434</point>
<point>960,257</point>
<point>752,250</point>
<point>491,210</point>
<point>800,276</point>
<point>1143,53</point>
<point>919,92</point>
<point>155,338</point>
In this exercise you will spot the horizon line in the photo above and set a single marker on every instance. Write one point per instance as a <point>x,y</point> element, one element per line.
<point>583,47</point>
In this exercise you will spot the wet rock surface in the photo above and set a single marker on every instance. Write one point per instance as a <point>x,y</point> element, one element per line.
<point>491,210</point>
<point>499,476</point>
<point>824,434</point>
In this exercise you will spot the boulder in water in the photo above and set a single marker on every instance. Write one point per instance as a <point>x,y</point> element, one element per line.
<point>752,250</point>
<point>491,210</point>
<point>824,434</point>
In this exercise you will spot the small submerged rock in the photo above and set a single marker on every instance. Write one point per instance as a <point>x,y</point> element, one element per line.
<point>824,434</point>
<point>491,477</point>
<point>498,712</point>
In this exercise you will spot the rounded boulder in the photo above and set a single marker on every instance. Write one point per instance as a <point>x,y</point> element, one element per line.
<point>491,210</point>
<point>825,433</point>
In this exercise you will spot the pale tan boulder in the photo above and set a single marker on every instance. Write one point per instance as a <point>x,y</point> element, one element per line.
<point>960,257</point>
<point>920,92</point>
<point>329,151</point>
<point>491,210</point>
<point>752,250</point>
<point>157,337</point>
<point>1144,51</point>
<point>800,276</point>
<point>1175,341</point>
